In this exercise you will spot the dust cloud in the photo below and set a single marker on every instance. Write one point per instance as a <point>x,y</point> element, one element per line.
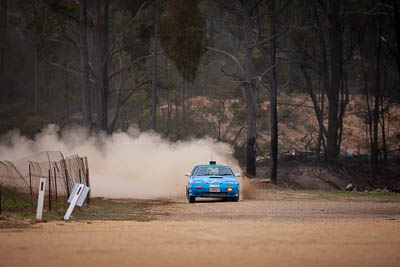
<point>126,164</point>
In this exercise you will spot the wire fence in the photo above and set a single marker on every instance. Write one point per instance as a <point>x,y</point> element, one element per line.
<point>61,173</point>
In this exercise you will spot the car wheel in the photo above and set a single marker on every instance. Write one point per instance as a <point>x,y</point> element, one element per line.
<point>235,199</point>
<point>192,199</point>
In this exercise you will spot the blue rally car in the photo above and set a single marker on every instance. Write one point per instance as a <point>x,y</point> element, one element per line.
<point>212,180</point>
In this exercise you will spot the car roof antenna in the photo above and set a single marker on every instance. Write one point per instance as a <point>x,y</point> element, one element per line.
<point>212,162</point>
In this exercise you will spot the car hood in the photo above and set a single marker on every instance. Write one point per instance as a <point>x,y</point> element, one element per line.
<point>214,179</point>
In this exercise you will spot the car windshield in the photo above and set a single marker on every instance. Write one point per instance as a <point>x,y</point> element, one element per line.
<point>212,170</point>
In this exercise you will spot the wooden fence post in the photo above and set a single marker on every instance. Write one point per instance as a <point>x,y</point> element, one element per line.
<point>49,189</point>
<point>67,182</point>
<point>88,185</point>
<point>55,182</point>
<point>0,200</point>
<point>30,180</point>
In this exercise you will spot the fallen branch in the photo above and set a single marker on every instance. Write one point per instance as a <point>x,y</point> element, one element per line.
<point>326,181</point>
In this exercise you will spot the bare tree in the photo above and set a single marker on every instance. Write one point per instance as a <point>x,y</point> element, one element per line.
<point>3,32</point>
<point>243,10</point>
<point>327,61</point>
<point>273,94</point>
<point>95,65</point>
<point>84,65</point>
<point>375,147</point>
<point>394,13</point>
<point>335,37</point>
<point>154,76</point>
<point>100,63</point>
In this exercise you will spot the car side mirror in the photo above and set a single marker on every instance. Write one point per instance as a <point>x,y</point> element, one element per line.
<point>237,174</point>
<point>187,174</point>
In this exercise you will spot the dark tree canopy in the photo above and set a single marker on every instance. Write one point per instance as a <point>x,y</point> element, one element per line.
<point>181,36</point>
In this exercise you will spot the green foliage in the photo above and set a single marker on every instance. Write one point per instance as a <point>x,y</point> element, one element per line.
<point>33,124</point>
<point>175,96</point>
<point>259,64</point>
<point>181,36</point>
<point>240,153</point>
<point>136,42</point>
<point>11,199</point>
<point>64,7</point>
<point>140,105</point>
<point>130,5</point>
<point>40,18</point>
<point>239,113</point>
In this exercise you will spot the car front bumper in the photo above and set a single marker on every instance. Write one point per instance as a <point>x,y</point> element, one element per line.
<point>196,192</point>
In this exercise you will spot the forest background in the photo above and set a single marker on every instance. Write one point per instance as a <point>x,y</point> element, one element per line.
<point>273,78</point>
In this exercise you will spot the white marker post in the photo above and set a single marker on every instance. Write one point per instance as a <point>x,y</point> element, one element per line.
<point>81,199</point>
<point>42,188</point>
<point>74,198</point>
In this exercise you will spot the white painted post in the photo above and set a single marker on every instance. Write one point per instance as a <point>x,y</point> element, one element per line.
<point>81,199</point>
<point>74,199</point>
<point>73,192</point>
<point>42,188</point>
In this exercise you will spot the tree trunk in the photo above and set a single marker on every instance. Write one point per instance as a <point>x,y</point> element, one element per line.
<point>397,29</point>
<point>335,35</point>
<point>251,130</point>
<point>84,65</point>
<point>3,33</point>
<point>169,109</point>
<point>101,64</point>
<point>385,128</point>
<point>321,126</point>
<point>384,146</point>
<point>371,142</point>
<point>375,148</point>
<point>318,111</point>
<point>183,114</point>
<point>344,100</point>
<point>169,113</point>
<point>250,96</point>
<point>67,89</point>
<point>36,79</point>
<point>369,127</point>
<point>154,78</point>
<point>273,97</point>
<point>118,100</point>
<point>325,80</point>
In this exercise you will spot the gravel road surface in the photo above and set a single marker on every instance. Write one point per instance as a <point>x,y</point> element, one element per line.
<point>261,232</point>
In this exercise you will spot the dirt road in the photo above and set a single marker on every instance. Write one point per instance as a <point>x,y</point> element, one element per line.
<point>261,232</point>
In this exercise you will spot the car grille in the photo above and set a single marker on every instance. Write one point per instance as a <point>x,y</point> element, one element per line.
<point>214,194</point>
